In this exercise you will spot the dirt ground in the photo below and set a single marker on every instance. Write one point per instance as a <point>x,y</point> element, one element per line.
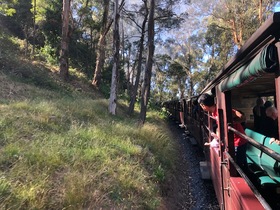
<point>186,190</point>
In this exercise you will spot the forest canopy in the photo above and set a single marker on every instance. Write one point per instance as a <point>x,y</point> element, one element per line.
<point>154,50</point>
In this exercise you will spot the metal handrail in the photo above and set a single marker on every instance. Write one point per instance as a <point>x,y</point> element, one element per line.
<point>266,150</point>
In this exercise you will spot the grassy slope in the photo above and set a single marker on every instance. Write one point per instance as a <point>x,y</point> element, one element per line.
<point>60,149</point>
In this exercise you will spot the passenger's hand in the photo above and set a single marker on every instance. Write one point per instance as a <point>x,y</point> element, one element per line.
<point>272,140</point>
<point>276,141</point>
<point>182,125</point>
<point>238,116</point>
<point>214,135</point>
<point>207,144</point>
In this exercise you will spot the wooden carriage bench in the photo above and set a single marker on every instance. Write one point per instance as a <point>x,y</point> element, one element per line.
<point>262,167</point>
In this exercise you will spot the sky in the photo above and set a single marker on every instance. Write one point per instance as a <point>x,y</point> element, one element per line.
<point>277,7</point>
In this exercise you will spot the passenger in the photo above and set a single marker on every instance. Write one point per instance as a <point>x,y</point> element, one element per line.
<point>258,115</point>
<point>195,109</point>
<point>267,123</point>
<point>243,120</point>
<point>272,113</point>
<point>207,103</point>
<point>181,113</point>
<point>267,104</point>
<point>214,143</point>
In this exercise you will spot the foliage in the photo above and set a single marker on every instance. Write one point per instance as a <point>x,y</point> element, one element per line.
<point>197,40</point>
<point>20,20</point>
<point>6,7</point>
<point>51,26</point>
<point>48,54</point>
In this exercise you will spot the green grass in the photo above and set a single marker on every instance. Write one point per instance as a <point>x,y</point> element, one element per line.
<point>60,149</point>
<point>59,154</point>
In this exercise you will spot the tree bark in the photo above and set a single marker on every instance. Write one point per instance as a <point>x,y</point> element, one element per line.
<point>139,66</point>
<point>64,52</point>
<point>34,27</point>
<point>100,58</point>
<point>116,47</point>
<point>129,71</point>
<point>149,64</point>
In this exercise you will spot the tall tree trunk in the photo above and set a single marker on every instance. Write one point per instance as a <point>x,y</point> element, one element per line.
<point>34,27</point>
<point>26,34</point>
<point>100,58</point>
<point>64,52</point>
<point>236,36</point>
<point>149,64</point>
<point>139,66</point>
<point>129,71</point>
<point>191,93</point>
<point>116,47</point>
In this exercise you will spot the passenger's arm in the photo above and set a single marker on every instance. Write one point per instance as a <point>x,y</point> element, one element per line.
<point>238,116</point>
<point>273,140</point>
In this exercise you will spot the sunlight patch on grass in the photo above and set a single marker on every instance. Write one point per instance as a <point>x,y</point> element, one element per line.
<point>77,73</point>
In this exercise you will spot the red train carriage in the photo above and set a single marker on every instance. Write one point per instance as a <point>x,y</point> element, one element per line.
<point>252,73</point>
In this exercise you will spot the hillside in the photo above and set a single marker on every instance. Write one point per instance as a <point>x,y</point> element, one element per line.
<point>60,149</point>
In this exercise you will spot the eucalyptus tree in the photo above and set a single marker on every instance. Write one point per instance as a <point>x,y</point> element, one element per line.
<point>63,60</point>
<point>229,24</point>
<point>170,77</point>
<point>191,59</point>
<point>116,47</point>
<point>80,8</point>
<point>218,46</point>
<point>186,58</point>
<point>149,63</point>
<point>161,17</point>
<point>174,70</point>
<point>241,17</point>
<point>223,26</point>
<point>178,73</point>
<point>161,81</point>
<point>34,5</point>
<point>143,11</point>
<point>165,18</point>
<point>100,58</point>
<point>186,46</point>
<point>106,23</point>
